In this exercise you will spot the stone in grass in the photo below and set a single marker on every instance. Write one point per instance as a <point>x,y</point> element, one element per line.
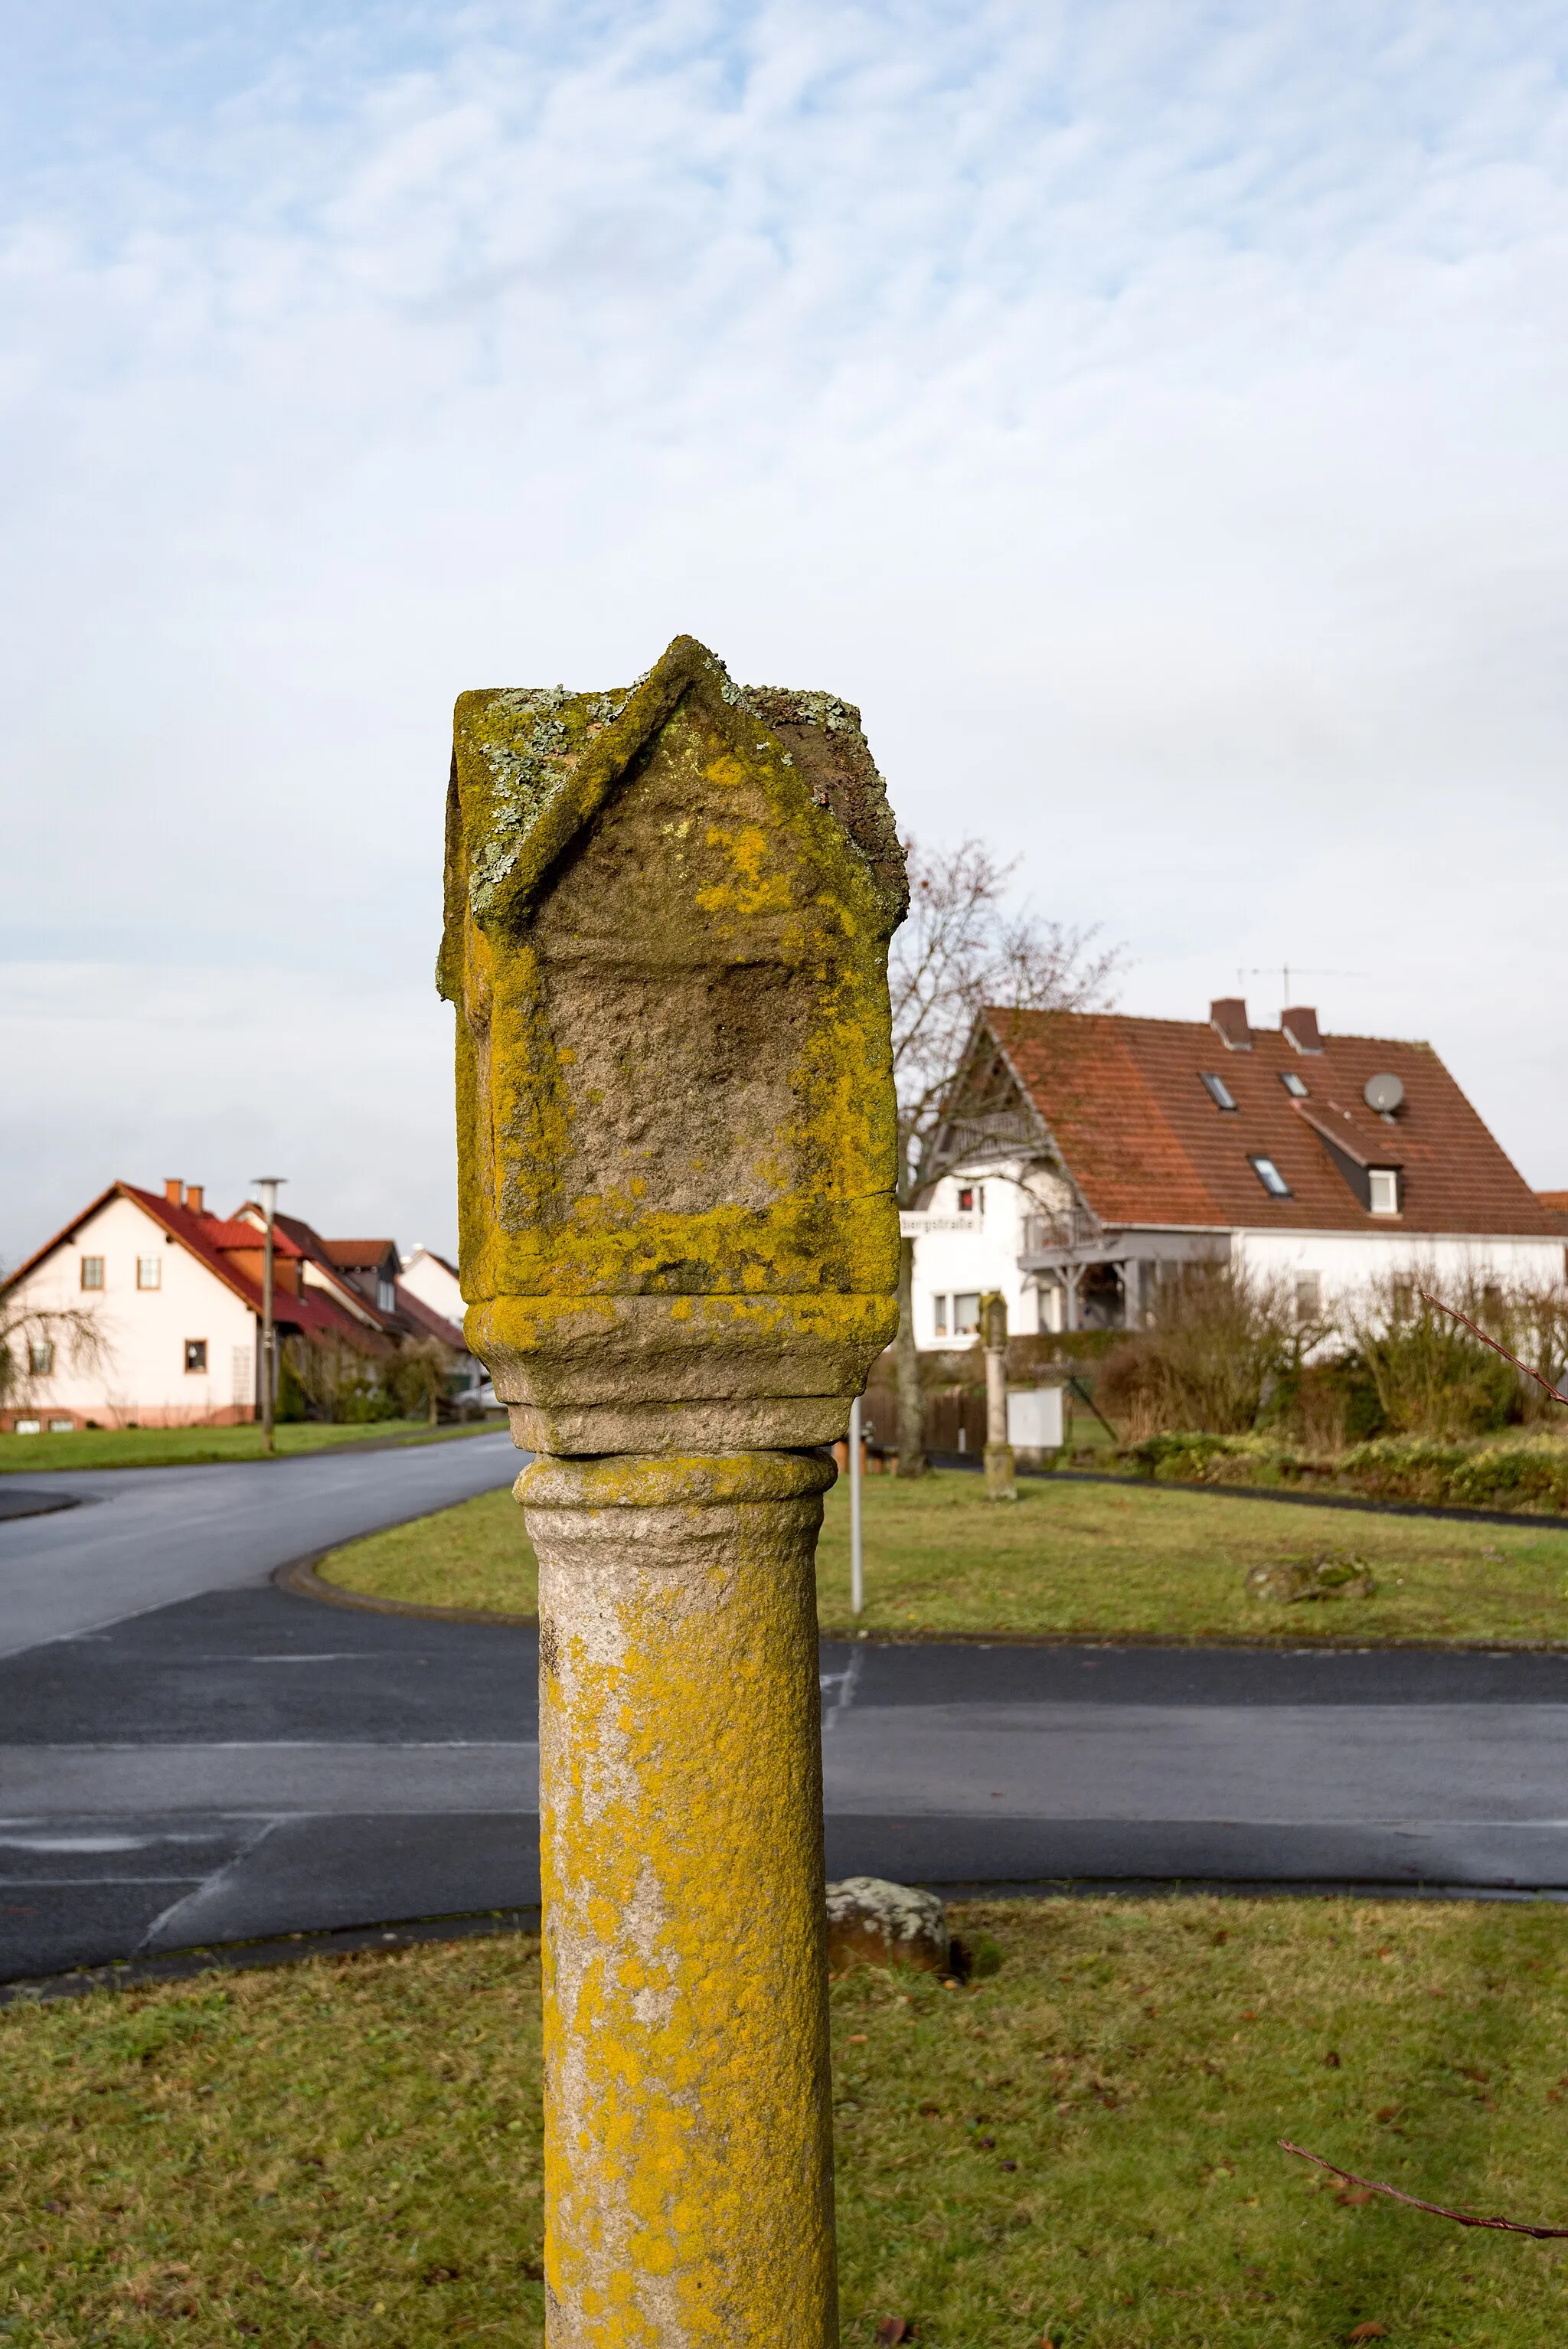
<point>1332,1574</point>
<point>890,1924</point>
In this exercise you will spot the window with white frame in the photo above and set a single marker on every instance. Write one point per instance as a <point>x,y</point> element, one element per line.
<point>939,1313</point>
<point>92,1272</point>
<point>386,1295</point>
<point>966,1314</point>
<point>972,1198</point>
<point>149,1272</point>
<point>1383,1188</point>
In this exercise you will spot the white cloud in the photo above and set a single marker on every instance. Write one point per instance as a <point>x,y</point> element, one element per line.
<point>1151,416</point>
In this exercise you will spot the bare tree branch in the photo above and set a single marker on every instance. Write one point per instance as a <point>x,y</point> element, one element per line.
<point>1455,1315</point>
<point>962,948</point>
<point>1414,2201</point>
<point>27,1330</point>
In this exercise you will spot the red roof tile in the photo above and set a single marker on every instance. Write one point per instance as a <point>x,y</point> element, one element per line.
<point>1125,1102</point>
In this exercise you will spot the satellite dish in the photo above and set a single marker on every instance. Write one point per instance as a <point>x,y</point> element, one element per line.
<point>1383,1093</point>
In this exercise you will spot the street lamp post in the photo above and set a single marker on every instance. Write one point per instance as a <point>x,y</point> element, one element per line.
<point>267,1184</point>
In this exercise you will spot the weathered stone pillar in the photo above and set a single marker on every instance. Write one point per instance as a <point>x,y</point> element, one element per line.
<point>1001,1483</point>
<point>667,916</point>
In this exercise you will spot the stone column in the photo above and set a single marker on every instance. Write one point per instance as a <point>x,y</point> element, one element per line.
<point>667,921</point>
<point>1001,1483</point>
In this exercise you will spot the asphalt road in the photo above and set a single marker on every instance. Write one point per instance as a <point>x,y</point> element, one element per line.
<point>189,1754</point>
<point>145,1537</point>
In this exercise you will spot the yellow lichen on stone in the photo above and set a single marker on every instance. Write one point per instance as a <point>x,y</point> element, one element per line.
<point>687,2180</point>
<point>667,916</point>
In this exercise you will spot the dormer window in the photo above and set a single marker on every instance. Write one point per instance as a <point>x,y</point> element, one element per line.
<point>1271,1178</point>
<point>1383,1190</point>
<point>386,1295</point>
<point>1219,1092</point>
<point>1293,1084</point>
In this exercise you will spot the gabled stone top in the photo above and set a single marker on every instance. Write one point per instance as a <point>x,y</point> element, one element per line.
<point>532,766</point>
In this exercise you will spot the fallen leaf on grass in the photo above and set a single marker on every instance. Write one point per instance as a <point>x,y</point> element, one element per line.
<point>895,2328</point>
<point>1368,2332</point>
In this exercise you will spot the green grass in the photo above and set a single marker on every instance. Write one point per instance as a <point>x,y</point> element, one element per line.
<point>1065,1560</point>
<point>1080,2146</point>
<point>475,1555</point>
<point>183,1448</point>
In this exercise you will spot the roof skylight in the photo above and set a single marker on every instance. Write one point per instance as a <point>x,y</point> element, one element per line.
<point>1271,1178</point>
<point>1220,1093</point>
<point>1293,1084</point>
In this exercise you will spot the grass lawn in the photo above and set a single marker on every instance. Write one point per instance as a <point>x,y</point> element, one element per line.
<point>183,1448</point>
<point>1080,2146</point>
<point>1066,1559</point>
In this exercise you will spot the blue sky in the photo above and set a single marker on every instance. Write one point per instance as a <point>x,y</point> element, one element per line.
<point>1150,415</point>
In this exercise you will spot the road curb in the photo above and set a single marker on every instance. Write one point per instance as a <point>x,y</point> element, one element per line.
<point>276,1949</point>
<point>300,1576</point>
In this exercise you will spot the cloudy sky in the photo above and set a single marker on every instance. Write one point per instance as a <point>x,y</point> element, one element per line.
<point>1150,414</point>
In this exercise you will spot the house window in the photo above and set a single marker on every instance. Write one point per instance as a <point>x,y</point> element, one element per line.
<point>1293,1084</point>
<point>92,1272</point>
<point>41,1357</point>
<point>62,1427</point>
<point>195,1353</point>
<point>972,1199</point>
<point>27,1427</point>
<point>939,1304</point>
<point>1308,1295</point>
<point>1220,1093</point>
<point>386,1296</point>
<point>966,1314</point>
<point>149,1272</point>
<point>1271,1178</point>
<point>1383,1190</point>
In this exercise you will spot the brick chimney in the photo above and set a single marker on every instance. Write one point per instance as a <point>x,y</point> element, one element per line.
<point>1228,1017</point>
<point>174,1190</point>
<point>1300,1027</point>
<point>193,1198</point>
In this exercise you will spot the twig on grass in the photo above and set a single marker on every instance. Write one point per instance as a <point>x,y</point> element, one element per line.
<point>1455,1315</point>
<point>1438,2210</point>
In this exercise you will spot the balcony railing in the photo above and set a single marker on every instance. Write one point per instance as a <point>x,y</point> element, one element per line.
<point>1068,1227</point>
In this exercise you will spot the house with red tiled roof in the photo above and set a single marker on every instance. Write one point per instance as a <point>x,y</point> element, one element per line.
<point>1096,1150</point>
<point>173,1295</point>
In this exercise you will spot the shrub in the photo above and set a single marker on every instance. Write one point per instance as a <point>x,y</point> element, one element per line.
<point>1217,1343</point>
<point>1432,1377</point>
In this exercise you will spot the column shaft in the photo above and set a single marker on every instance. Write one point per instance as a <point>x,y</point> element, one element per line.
<point>688,2179</point>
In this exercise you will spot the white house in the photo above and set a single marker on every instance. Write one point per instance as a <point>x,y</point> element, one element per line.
<point>1094,1151</point>
<point>172,1296</point>
<point>435,1283</point>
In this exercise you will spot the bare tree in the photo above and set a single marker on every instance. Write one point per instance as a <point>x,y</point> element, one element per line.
<point>964,948</point>
<point>35,1339</point>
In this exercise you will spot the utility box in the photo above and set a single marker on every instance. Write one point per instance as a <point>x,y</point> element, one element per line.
<point>1034,1419</point>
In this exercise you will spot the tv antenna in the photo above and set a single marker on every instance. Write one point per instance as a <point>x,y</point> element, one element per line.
<point>1267,970</point>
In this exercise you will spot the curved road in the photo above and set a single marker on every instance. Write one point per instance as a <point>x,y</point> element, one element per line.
<point>190,1754</point>
<point>146,1536</point>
